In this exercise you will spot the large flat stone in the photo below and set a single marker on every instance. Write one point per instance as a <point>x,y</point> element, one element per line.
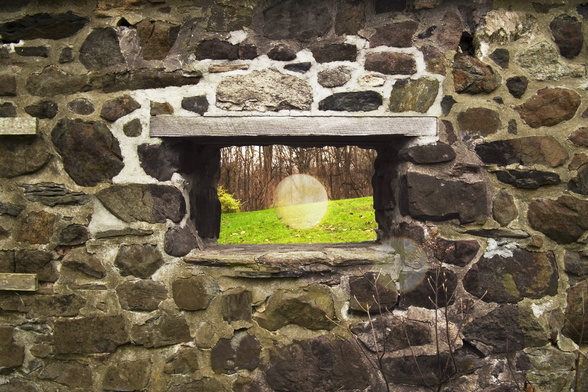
<point>563,220</point>
<point>43,26</point>
<point>390,63</point>
<point>549,107</point>
<point>427,197</point>
<point>142,79</point>
<point>90,153</point>
<point>242,351</point>
<point>296,19</point>
<point>144,202</point>
<point>53,81</point>
<point>99,334</point>
<point>509,279</point>
<point>165,330</point>
<point>264,91</point>
<point>531,150</point>
<point>22,155</point>
<point>499,331</point>
<point>141,295</point>
<point>138,260</point>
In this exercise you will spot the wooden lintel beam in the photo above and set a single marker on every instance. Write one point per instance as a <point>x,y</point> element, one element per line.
<point>228,127</point>
<point>18,282</point>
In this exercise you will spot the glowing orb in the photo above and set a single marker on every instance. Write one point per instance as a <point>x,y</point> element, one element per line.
<point>300,201</point>
<point>404,261</point>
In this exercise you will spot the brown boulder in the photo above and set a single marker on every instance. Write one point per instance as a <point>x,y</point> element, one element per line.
<point>549,107</point>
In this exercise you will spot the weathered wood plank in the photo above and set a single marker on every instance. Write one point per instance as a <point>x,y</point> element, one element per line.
<point>18,126</point>
<point>279,127</point>
<point>19,282</point>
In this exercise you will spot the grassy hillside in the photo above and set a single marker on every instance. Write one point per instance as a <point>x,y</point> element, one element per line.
<point>350,220</point>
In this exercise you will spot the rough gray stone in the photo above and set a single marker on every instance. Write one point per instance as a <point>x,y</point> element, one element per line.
<point>80,260</point>
<point>509,279</point>
<point>99,334</point>
<point>156,38</point>
<point>527,179</point>
<point>32,51</point>
<point>446,104</point>
<point>42,110</point>
<point>298,67</point>
<point>471,76</point>
<point>184,361</point>
<point>53,81</point>
<point>194,293</point>
<point>396,35</point>
<point>19,385</point>
<point>229,16</point>
<point>91,154</point>
<point>236,304</point>
<point>531,150</point>
<point>479,121</point>
<point>350,17</point>
<point>504,209</point>
<point>7,109</point>
<point>334,77</point>
<point>281,53</point>
<point>428,154</point>
<point>413,95</point>
<point>390,63</point>
<point>317,365</point>
<point>42,26</point>
<point>11,353</point>
<point>133,128</point>
<point>139,260</point>
<point>567,34</point>
<point>113,109</point>
<point>147,79</point>
<point>296,19</point>
<point>179,241</point>
<point>101,50</point>
<point>501,57</point>
<point>334,52</point>
<point>242,351</point>
<point>262,91</point>
<point>36,262</point>
<point>499,331</point>
<point>388,334</point>
<point>7,85</point>
<point>307,307</point>
<point>73,235</point>
<point>542,62</point>
<point>22,155</point>
<point>141,295</point>
<point>216,49</point>
<point>579,184</point>
<point>575,316</point>
<point>81,106</point>
<point>66,56</point>
<point>360,101</point>
<point>71,374</point>
<point>426,197</point>
<point>164,331</point>
<point>364,289</point>
<point>549,107</point>
<point>197,104</point>
<point>563,220</point>
<point>459,253</point>
<point>517,85</point>
<point>436,288</point>
<point>127,376</point>
<point>144,202</point>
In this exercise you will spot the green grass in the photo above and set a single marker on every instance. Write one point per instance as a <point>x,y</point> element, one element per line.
<point>350,220</point>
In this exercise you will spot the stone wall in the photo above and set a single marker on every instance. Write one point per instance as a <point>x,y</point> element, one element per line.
<point>481,261</point>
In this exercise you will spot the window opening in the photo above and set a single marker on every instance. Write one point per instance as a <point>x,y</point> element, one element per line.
<point>251,175</point>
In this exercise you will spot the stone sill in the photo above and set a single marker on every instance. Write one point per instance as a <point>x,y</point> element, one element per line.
<point>286,260</point>
<point>233,130</point>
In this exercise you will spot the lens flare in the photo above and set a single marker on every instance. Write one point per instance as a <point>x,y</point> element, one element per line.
<point>403,261</point>
<point>300,201</point>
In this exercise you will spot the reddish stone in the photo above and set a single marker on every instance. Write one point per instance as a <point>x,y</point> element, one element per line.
<point>532,150</point>
<point>480,121</point>
<point>580,137</point>
<point>335,52</point>
<point>449,34</point>
<point>396,34</point>
<point>563,220</point>
<point>390,63</point>
<point>114,109</point>
<point>37,228</point>
<point>577,161</point>
<point>549,107</point>
<point>471,76</point>
<point>156,38</point>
